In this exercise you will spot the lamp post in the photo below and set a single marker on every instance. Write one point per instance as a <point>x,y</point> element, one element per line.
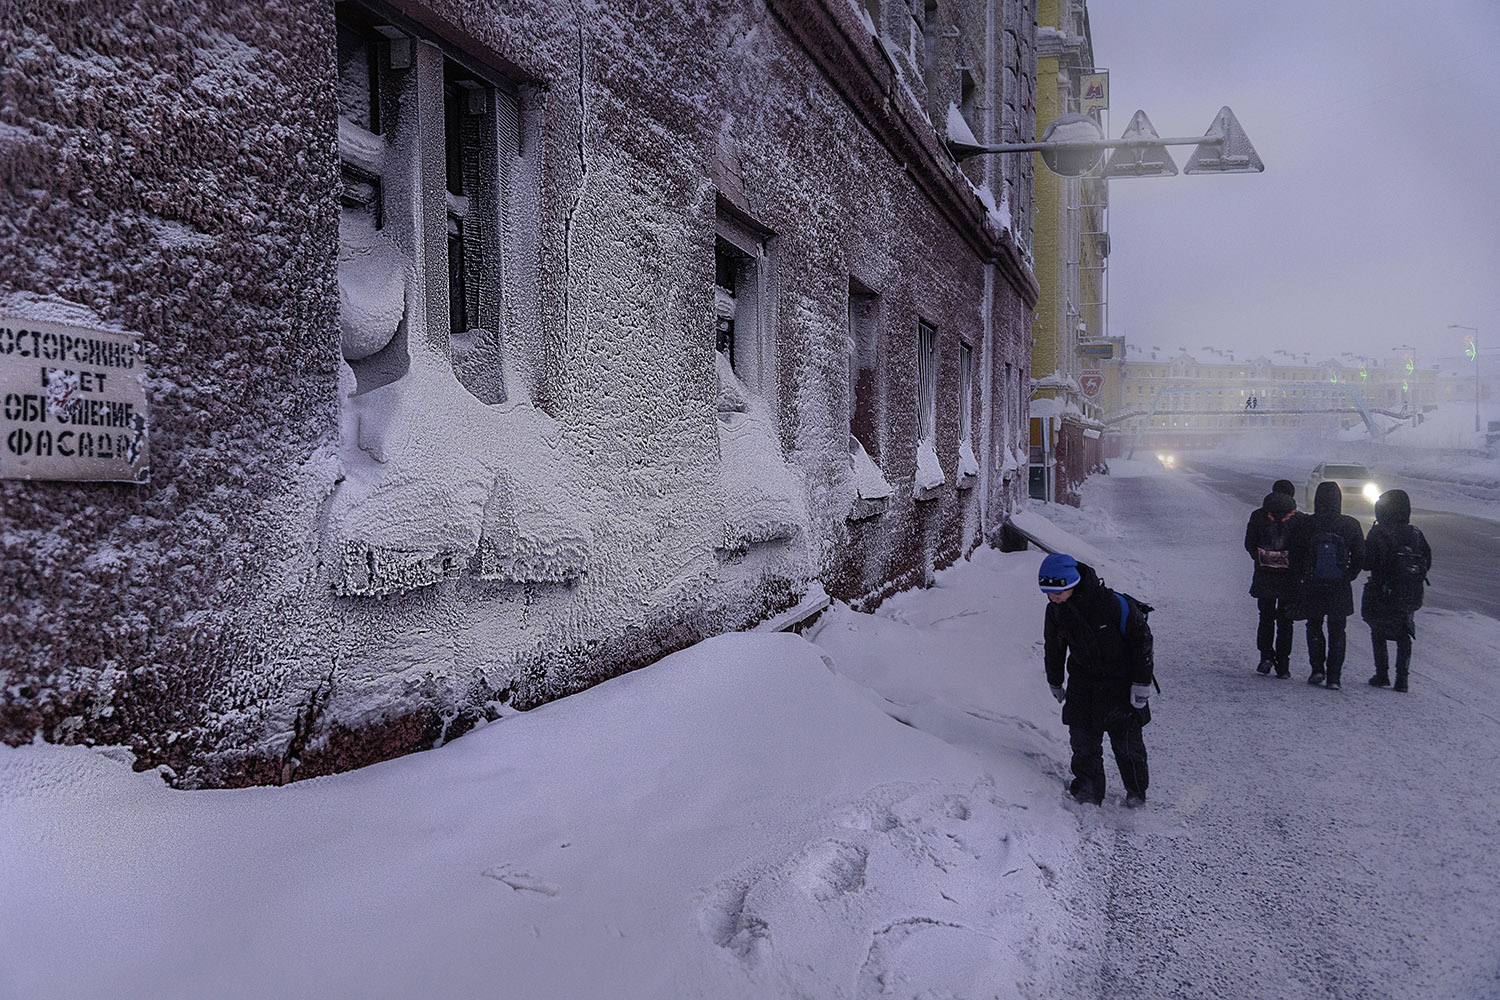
<point>1410,382</point>
<point>1475,331</point>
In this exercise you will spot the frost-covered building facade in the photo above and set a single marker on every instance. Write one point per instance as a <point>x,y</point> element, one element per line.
<point>485,351</point>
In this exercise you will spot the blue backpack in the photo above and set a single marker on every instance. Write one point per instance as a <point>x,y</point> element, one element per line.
<point>1330,557</point>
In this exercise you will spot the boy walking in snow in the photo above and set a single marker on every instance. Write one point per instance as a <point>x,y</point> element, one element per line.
<point>1398,558</point>
<point>1274,585</point>
<point>1328,550</point>
<point>1100,643</point>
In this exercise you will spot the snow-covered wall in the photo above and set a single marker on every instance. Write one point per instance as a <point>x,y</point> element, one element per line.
<point>368,527</point>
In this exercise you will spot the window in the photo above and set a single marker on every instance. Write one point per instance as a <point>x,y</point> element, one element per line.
<point>965,392</point>
<point>385,69</point>
<point>742,278</point>
<point>929,35</point>
<point>864,381</point>
<point>926,383</point>
<point>968,100</point>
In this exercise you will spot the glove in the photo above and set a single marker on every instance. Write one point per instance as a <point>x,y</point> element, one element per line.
<point>1059,694</point>
<point>1140,695</point>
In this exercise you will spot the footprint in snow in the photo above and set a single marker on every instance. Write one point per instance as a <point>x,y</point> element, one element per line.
<point>520,881</point>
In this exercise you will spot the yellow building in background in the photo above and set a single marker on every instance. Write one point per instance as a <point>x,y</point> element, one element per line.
<point>1071,247</point>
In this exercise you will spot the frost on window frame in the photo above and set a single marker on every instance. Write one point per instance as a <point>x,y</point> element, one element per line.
<point>382,135</point>
<point>742,303</point>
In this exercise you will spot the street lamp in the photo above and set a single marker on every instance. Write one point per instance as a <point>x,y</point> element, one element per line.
<point>1410,382</point>
<point>1475,331</point>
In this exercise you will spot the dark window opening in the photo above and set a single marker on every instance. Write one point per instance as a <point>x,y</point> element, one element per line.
<point>467,133</point>
<point>926,382</point>
<point>864,382</point>
<point>731,267</point>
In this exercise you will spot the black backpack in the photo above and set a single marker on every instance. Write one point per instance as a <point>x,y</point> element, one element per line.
<point>1272,551</point>
<point>1329,559</point>
<point>1125,602</point>
<point>1408,570</point>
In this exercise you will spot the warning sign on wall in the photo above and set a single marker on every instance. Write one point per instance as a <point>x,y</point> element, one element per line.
<point>72,403</point>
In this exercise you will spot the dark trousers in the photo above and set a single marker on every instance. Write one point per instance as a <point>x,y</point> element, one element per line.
<point>1327,655</point>
<point>1273,636</point>
<point>1088,760</point>
<point>1402,638</point>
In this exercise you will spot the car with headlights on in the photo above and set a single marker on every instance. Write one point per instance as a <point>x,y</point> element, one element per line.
<point>1355,481</point>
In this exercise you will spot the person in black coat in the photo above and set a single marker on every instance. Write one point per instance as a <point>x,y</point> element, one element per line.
<point>1388,603</point>
<point>1274,585</point>
<point>1103,642</point>
<point>1328,552</point>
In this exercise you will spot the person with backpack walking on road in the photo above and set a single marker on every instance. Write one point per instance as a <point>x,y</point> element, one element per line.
<point>1101,640</point>
<point>1328,552</point>
<point>1274,585</point>
<point>1398,558</point>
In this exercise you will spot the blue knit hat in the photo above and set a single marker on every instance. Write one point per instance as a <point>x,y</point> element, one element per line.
<point>1059,572</point>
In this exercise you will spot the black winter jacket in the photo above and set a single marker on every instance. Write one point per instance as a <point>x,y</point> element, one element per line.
<point>1102,662</point>
<point>1278,514</point>
<point>1392,527</point>
<point>1337,598</point>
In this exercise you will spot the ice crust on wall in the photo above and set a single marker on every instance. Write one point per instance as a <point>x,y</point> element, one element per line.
<point>436,479</point>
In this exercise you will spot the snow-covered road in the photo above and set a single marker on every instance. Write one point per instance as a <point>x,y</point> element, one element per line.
<point>1302,842</point>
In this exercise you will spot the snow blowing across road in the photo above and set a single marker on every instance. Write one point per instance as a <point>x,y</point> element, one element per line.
<point>873,810</point>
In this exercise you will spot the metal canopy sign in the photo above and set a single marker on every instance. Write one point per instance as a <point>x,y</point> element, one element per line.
<point>1096,350</point>
<point>1231,153</point>
<point>1091,382</point>
<point>1151,160</point>
<point>72,403</point>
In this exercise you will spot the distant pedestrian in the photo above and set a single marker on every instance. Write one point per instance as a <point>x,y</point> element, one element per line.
<point>1274,585</point>
<point>1328,552</point>
<point>1398,558</point>
<point>1104,642</point>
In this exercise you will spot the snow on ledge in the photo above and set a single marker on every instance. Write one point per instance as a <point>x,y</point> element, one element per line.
<point>930,475</point>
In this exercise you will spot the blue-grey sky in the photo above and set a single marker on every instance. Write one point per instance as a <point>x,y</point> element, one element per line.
<point>1377,220</point>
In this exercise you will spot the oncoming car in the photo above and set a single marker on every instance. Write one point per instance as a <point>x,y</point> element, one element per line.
<point>1354,481</point>
<point>1167,459</point>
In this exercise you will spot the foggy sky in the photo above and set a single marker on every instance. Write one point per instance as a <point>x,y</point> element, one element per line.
<point>1377,220</point>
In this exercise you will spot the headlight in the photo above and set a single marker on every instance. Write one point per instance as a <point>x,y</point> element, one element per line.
<point>1371,492</point>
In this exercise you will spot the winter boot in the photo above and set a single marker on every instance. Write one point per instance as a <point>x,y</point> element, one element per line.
<point>1283,670</point>
<point>1134,801</point>
<point>1265,665</point>
<point>1380,681</point>
<point>1086,792</point>
<point>1317,677</point>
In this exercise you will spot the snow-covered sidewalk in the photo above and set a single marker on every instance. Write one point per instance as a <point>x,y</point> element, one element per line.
<point>873,810</point>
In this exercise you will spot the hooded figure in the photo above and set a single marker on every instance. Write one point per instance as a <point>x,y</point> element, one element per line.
<point>1274,584</point>
<point>1381,604</point>
<point>1395,549</point>
<point>1269,532</point>
<point>1103,648</point>
<point>1328,552</point>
